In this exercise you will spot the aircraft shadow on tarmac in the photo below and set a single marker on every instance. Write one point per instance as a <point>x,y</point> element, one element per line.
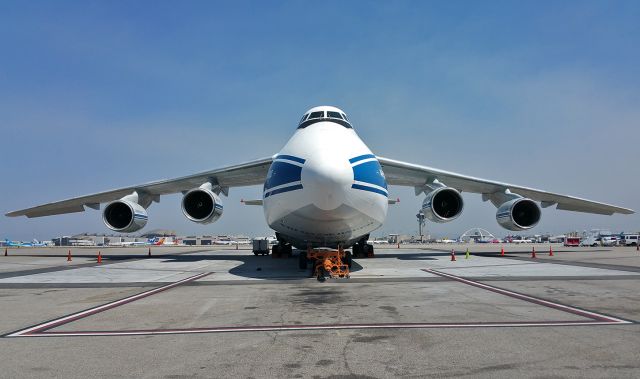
<point>256,267</point>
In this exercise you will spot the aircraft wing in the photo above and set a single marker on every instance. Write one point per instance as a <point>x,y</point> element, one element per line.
<point>245,174</point>
<point>408,174</point>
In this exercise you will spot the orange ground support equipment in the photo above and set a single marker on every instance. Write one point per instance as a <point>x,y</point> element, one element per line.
<point>328,263</point>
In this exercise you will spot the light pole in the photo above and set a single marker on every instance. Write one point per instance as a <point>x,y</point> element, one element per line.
<point>421,223</point>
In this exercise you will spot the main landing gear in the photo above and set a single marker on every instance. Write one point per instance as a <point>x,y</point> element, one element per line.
<point>281,250</point>
<point>363,250</point>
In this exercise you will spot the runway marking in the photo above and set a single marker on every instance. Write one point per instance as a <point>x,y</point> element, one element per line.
<point>276,328</point>
<point>531,299</point>
<point>42,330</point>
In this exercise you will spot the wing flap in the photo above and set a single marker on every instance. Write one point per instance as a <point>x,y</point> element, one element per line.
<point>245,174</point>
<point>408,174</point>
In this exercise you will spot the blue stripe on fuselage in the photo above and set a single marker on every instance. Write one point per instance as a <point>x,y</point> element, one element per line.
<point>361,157</point>
<point>282,173</point>
<point>370,189</point>
<point>369,172</point>
<point>291,158</point>
<point>281,190</point>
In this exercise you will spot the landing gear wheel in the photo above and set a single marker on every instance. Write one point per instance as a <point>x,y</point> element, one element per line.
<point>275,251</point>
<point>287,250</point>
<point>302,260</point>
<point>369,250</point>
<point>347,259</point>
<point>357,251</point>
<point>321,275</point>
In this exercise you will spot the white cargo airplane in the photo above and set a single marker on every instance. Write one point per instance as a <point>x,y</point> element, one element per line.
<point>325,188</point>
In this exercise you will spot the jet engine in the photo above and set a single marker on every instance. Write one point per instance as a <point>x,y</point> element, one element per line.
<point>518,214</point>
<point>124,216</point>
<point>443,204</point>
<point>202,205</point>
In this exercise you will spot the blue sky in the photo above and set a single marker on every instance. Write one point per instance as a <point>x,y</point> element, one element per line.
<point>98,95</point>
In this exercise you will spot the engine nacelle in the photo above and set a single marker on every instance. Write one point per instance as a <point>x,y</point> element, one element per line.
<point>124,216</point>
<point>202,205</point>
<point>518,214</point>
<point>443,204</point>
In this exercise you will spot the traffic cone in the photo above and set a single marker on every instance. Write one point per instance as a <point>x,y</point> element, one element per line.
<point>550,251</point>
<point>466,256</point>
<point>502,251</point>
<point>99,257</point>
<point>69,256</point>
<point>533,253</point>
<point>453,255</point>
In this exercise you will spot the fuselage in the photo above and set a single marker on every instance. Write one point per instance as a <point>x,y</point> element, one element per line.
<point>325,187</point>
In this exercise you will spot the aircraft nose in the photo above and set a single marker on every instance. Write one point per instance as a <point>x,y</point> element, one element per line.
<point>326,178</point>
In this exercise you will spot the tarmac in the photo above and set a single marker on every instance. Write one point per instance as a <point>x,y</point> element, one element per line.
<point>212,311</point>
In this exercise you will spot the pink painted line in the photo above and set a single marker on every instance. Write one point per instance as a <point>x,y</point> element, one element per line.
<point>546,303</point>
<point>315,327</point>
<point>91,311</point>
<point>42,330</point>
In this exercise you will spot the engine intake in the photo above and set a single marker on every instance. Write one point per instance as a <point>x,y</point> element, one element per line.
<point>518,214</point>
<point>443,205</point>
<point>202,205</point>
<point>124,216</point>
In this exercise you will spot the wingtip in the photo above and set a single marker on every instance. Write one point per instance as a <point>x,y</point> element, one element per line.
<point>16,213</point>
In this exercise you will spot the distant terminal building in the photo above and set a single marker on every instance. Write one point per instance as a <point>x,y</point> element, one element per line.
<point>207,240</point>
<point>96,239</point>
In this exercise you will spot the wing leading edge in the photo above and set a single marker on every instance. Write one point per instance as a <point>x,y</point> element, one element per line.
<point>408,174</point>
<point>245,174</point>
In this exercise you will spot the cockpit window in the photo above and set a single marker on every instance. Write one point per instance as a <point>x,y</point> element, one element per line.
<point>319,114</point>
<point>334,114</point>
<point>323,116</point>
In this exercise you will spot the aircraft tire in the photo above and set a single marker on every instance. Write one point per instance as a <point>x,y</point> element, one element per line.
<point>303,261</point>
<point>275,251</point>
<point>357,250</point>
<point>321,275</point>
<point>348,259</point>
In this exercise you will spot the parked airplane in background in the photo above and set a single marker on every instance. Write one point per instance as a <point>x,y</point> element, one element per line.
<point>325,188</point>
<point>225,241</point>
<point>155,241</point>
<point>163,241</point>
<point>34,243</point>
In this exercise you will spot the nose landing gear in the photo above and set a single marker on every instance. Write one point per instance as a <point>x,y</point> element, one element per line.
<point>327,263</point>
